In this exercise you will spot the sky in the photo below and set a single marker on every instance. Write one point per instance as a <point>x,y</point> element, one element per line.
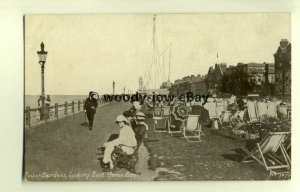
<point>89,52</point>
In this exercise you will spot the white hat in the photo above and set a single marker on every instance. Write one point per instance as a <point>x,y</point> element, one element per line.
<point>140,116</point>
<point>121,118</point>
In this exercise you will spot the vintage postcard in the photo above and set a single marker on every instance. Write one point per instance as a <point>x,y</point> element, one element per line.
<point>157,97</point>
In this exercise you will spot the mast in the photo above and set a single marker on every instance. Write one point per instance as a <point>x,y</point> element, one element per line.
<point>169,63</point>
<point>154,51</point>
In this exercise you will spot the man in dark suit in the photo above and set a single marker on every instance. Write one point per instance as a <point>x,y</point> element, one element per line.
<point>90,106</point>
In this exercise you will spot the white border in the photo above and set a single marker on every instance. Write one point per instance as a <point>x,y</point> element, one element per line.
<point>11,94</point>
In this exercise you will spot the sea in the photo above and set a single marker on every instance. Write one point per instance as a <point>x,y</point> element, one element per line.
<point>32,100</point>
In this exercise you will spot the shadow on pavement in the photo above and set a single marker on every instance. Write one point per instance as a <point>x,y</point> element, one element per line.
<point>237,156</point>
<point>84,124</point>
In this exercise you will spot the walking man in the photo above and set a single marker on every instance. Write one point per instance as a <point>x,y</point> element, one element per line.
<point>90,106</point>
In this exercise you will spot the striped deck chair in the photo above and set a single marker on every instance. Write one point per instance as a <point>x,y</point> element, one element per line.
<point>212,110</point>
<point>252,111</point>
<point>265,153</point>
<point>160,123</point>
<point>192,129</point>
<point>272,109</point>
<point>262,109</point>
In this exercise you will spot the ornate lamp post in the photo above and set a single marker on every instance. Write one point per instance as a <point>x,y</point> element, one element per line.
<point>42,60</point>
<point>113,84</point>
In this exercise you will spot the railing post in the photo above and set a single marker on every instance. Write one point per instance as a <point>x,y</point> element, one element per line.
<point>73,107</point>
<point>66,108</point>
<point>28,116</point>
<point>79,105</point>
<point>56,110</point>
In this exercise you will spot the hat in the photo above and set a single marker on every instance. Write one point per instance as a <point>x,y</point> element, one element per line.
<point>140,116</point>
<point>137,105</point>
<point>128,113</point>
<point>283,103</point>
<point>94,96</point>
<point>121,118</point>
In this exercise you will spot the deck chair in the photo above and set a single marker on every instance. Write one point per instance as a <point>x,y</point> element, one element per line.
<point>265,153</point>
<point>252,111</point>
<point>160,123</point>
<point>192,129</point>
<point>212,110</point>
<point>221,107</point>
<point>157,112</point>
<point>174,126</point>
<point>272,109</point>
<point>262,109</point>
<point>166,112</point>
<point>237,119</point>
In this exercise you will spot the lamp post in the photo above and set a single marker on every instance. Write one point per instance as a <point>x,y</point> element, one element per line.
<point>113,84</point>
<point>42,60</point>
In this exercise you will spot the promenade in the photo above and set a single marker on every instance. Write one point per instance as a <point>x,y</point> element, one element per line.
<point>67,150</point>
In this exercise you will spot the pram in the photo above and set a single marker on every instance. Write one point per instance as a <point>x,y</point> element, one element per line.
<point>123,160</point>
<point>128,161</point>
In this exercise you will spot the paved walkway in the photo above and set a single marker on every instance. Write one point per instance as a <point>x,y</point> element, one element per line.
<point>66,150</point>
<point>215,158</point>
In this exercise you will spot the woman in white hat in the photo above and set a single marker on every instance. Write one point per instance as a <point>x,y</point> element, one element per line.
<point>126,141</point>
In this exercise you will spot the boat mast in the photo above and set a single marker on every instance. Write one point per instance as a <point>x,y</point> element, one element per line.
<point>154,50</point>
<point>169,63</point>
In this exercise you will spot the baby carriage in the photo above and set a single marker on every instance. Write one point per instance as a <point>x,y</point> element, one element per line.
<point>128,161</point>
<point>123,160</point>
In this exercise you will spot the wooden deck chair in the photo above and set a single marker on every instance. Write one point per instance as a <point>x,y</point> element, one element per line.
<point>174,126</point>
<point>160,123</point>
<point>221,107</point>
<point>237,119</point>
<point>157,112</point>
<point>265,152</point>
<point>252,111</point>
<point>166,112</point>
<point>287,146</point>
<point>212,111</point>
<point>262,109</point>
<point>192,129</point>
<point>272,109</point>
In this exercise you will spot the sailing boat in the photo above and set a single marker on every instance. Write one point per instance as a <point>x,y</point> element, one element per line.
<point>155,76</point>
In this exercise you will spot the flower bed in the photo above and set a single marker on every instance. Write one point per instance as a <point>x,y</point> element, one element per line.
<point>256,129</point>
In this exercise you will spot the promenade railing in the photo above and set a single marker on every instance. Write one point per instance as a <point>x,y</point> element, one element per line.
<point>37,116</point>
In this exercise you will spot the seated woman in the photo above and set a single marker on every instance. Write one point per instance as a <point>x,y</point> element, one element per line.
<point>126,141</point>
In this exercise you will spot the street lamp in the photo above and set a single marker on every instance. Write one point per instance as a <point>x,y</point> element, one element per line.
<point>42,60</point>
<point>113,84</point>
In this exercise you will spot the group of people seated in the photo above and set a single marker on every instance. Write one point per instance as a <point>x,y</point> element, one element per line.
<point>132,133</point>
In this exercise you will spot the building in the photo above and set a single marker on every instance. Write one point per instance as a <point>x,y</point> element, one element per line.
<point>141,88</point>
<point>198,85</point>
<point>195,84</point>
<point>214,78</point>
<point>248,78</point>
<point>282,59</point>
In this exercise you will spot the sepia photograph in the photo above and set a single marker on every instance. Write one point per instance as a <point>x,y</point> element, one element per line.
<point>157,97</point>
